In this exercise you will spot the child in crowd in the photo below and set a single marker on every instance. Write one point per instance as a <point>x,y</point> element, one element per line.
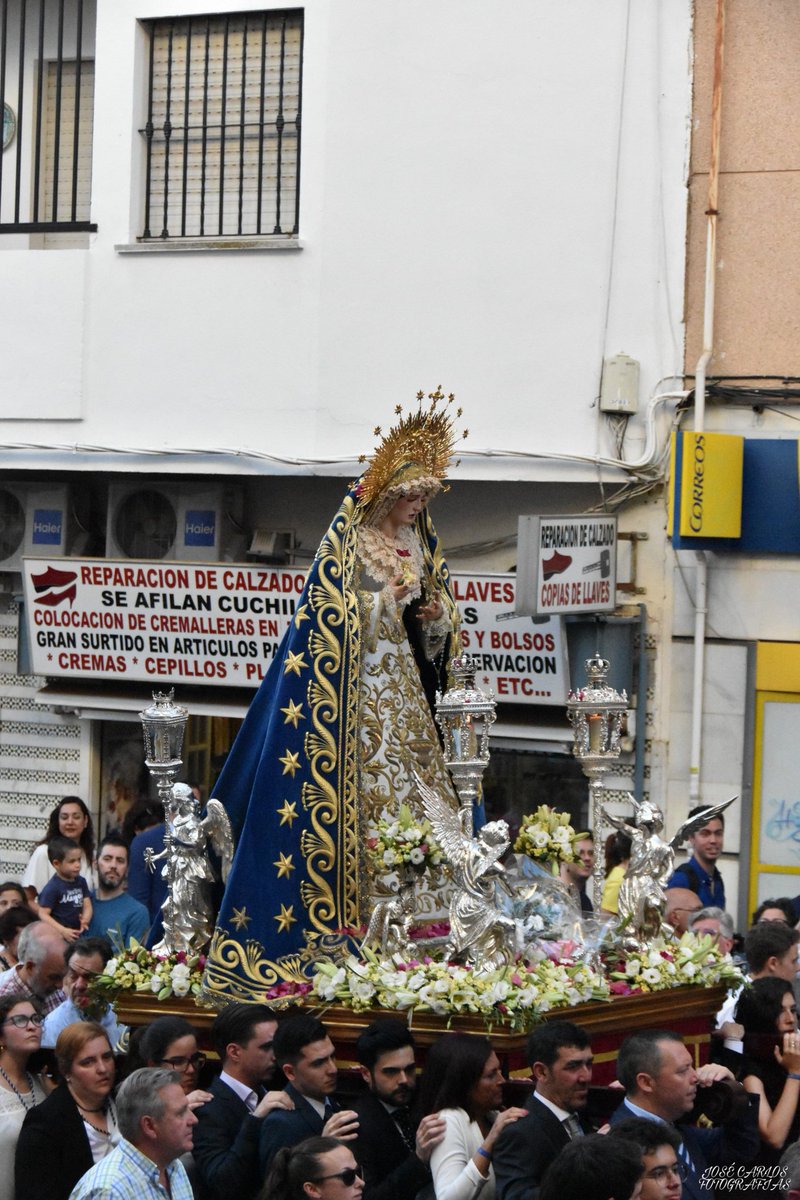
<point>64,901</point>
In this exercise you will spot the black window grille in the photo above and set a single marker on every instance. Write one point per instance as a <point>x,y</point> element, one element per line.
<point>222,136</point>
<point>47,102</point>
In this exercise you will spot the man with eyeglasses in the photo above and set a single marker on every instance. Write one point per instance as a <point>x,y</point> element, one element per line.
<point>226,1138</point>
<point>661,1084</point>
<point>84,960</point>
<point>664,1173</point>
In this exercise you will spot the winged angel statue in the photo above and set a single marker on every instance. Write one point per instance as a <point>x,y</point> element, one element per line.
<point>481,935</point>
<point>187,912</point>
<point>642,895</point>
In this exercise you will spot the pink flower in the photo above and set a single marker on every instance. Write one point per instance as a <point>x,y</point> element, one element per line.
<point>619,988</point>
<point>516,980</point>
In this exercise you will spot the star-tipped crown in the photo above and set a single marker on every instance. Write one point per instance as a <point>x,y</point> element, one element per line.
<point>417,449</point>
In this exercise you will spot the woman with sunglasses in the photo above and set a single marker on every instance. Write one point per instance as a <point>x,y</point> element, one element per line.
<point>320,1168</point>
<point>171,1042</point>
<point>20,1037</point>
<point>76,1126</point>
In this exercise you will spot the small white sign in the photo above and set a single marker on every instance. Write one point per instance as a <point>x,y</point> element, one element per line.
<point>522,662</point>
<point>567,564</point>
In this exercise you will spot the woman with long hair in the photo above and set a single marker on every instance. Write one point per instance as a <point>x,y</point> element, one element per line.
<point>462,1081</point>
<point>71,819</point>
<point>771,1065</point>
<point>76,1126</point>
<point>20,1090</point>
<point>320,1168</point>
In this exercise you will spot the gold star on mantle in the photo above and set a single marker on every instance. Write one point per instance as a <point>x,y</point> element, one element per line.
<point>291,762</point>
<point>300,616</point>
<point>294,713</point>
<point>285,919</point>
<point>240,919</point>
<point>294,662</point>
<point>285,866</point>
<point>288,813</point>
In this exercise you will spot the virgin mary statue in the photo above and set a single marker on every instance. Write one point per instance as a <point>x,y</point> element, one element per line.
<point>341,720</point>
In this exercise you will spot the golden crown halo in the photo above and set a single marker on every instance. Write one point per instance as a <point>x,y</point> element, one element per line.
<point>418,447</point>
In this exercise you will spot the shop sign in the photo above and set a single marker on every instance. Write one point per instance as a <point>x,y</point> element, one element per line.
<point>567,564</point>
<point>222,624</point>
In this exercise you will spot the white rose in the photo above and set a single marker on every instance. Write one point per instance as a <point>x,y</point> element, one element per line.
<point>389,858</point>
<point>132,967</point>
<point>632,967</point>
<point>155,984</point>
<point>540,839</point>
<point>416,856</point>
<point>180,987</point>
<point>110,966</point>
<point>651,975</point>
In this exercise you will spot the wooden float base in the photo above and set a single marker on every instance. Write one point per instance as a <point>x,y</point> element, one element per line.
<point>688,1011</point>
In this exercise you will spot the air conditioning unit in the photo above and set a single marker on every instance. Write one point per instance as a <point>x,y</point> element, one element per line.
<point>35,521</point>
<point>181,522</point>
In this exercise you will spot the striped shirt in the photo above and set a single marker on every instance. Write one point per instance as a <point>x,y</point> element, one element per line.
<point>127,1174</point>
<point>12,981</point>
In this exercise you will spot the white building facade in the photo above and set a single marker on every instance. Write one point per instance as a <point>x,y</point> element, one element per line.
<point>293,220</point>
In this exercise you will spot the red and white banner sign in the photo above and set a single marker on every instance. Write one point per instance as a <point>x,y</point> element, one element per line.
<point>222,623</point>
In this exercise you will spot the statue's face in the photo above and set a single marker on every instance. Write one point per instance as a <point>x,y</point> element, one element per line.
<point>495,833</point>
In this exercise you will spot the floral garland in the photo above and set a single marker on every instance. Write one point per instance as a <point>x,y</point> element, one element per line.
<point>547,836</point>
<point>139,970</point>
<point>694,959</point>
<point>512,995</point>
<point>404,841</point>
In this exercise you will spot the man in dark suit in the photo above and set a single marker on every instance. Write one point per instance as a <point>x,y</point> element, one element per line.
<point>661,1083</point>
<point>225,1146</point>
<point>305,1054</point>
<point>561,1065</point>
<point>394,1153</point>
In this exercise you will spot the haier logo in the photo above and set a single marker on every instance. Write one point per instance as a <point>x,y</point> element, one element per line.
<point>48,524</point>
<point>200,528</point>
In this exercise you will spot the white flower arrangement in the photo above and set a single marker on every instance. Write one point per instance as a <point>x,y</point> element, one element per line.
<point>547,836</point>
<point>139,970</point>
<point>404,841</point>
<point>513,995</point>
<point>694,959</point>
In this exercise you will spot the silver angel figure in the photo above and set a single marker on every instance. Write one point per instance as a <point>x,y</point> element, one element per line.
<point>642,893</point>
<point>481,935</point>
<point>389,926</point>
<point>187,913</point>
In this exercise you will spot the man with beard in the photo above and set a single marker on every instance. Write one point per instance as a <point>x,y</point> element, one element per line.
<point>116,915</point>
<point>394,1154</point>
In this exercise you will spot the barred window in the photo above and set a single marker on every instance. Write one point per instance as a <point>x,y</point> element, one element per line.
<point>47,102</point>
<point>222,134</point>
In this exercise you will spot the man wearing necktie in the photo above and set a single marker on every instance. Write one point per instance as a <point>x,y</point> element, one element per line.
<point>394,1152</point>
<point>225,1145</point>
<point>561,1065</point>
<point>661,1083</point>
<point>306,1055</point>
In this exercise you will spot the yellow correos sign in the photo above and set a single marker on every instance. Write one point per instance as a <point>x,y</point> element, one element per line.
<point>711,485</point>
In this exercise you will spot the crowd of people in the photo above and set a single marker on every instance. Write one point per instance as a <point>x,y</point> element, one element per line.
<point>268,1114</point>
